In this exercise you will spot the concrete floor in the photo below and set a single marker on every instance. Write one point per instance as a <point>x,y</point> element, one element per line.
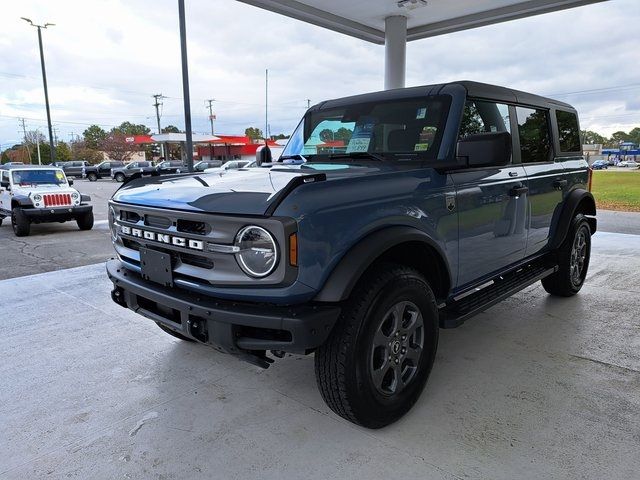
<point>536,387</point>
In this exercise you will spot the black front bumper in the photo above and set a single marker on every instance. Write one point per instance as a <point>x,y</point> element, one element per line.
<point>234,327</point>
<point>56,214</point>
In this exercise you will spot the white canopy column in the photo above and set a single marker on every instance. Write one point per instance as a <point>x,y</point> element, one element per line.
<point>395,51</point>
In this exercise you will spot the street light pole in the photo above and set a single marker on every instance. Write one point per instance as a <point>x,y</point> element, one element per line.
<point>185,86</point>
<point>44,81</point>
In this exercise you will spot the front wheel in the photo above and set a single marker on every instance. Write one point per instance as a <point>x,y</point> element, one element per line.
<point>85,221</point>
<point>573,260</point>
<point>20,222</point>
<point>375,364</point>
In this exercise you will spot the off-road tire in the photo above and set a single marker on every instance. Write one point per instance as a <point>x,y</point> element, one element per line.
<point>174,333</point>
<point>344,363</point>
<point>119,177</point>
<point>1,219</point>
<point>20,222</point>
<point>565,283</point>
<point>92,177</point>
<point>85,221</point>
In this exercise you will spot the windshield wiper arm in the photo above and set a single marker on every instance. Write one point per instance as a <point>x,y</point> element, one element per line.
<point>293,157</point>
<point>368,155</point>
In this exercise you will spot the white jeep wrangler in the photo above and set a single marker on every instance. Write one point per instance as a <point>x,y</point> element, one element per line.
<point>33,194</point>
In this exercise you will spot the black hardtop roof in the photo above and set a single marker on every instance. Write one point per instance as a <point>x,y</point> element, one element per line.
<point>473,89</point>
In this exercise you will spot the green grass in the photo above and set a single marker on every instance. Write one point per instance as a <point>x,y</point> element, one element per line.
<point>617,190</point>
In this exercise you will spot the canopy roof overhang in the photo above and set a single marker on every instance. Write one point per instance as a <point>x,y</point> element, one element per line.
<point>365,19</point>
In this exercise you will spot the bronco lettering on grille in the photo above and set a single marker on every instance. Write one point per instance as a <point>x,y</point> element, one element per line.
<point>163,238</point>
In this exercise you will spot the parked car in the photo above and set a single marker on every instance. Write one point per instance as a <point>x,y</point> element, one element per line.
<point>41,194</point>
<point>428,216</point>
<point>171,166</point>
<point>102,170</point>
<point>600,165</point>
<point>74,169</point>
<point>204,164</point>
<point>629,164</point>
<point>230,165</point>
<point>143,168</point>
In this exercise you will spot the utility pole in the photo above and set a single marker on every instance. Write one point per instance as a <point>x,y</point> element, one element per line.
<point>308,103</point>
<point>38,147</point>
<point>44,81</point>
<point>211,100</point>
<point>266,103</point>
<point>24,133</point>
<point>158,104</point>
<point>185,85</point>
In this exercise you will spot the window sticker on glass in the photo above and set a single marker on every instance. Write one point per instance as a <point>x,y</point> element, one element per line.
<point>361,137</point>
<point>60,176</point>
<point>422,113</point>
<point>421,147</point>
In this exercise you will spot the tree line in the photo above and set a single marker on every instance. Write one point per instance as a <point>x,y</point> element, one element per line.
<point>614,140</point>
<point>97,142</point>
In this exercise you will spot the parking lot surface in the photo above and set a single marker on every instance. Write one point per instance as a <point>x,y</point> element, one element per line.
<point>535,387</point>
<point>55,246</point>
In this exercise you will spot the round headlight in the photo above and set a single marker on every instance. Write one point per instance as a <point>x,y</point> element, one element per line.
<point>258,252</point>
<point>75,195</point>
<point>37,197</point>
<point>112,225</point>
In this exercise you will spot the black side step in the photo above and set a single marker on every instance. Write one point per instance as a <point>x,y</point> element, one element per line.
<point>454,313</point>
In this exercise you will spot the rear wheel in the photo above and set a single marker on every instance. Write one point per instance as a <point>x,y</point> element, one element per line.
<point>92,177</point>
<point>174,333</point>
<point>85,221</point>
<point>20,222</point>
<point>373,367</point>
<point>119,177</point>
<point>573,260</point>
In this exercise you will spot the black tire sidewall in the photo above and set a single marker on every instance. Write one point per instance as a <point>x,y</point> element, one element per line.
<point>381,410</point>
<point>92,177</point>
<point>22,226</point>
<point>579,223</point>
<point>119,178</point>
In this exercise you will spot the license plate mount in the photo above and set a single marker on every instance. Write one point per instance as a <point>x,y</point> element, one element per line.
<point>156,266</point>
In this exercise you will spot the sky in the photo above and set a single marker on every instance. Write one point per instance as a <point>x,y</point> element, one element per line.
<point>106,58</point>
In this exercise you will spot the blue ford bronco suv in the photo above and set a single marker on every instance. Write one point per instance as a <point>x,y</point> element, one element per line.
<point>388,216</point>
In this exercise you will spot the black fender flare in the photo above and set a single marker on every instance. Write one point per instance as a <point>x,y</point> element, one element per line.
<point>578,200</point>
<point>364,253</point>
<point>23,201</point>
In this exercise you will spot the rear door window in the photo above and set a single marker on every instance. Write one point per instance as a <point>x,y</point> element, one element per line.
<point>568,131</point>
<point>533,131</point>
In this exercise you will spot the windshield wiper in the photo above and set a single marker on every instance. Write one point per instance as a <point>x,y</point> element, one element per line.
<point>367,155</point>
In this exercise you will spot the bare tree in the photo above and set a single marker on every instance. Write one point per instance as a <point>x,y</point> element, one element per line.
<point>117,148</point>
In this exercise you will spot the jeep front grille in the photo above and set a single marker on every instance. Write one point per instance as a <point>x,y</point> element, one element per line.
<point>57,199</point>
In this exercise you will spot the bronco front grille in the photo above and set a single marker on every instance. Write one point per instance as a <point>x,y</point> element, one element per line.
<point>57,199</point>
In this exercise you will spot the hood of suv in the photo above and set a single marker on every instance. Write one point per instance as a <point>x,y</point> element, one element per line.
<point>242,192</point>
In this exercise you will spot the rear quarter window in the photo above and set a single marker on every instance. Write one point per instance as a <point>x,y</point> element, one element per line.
<point>568,131</point>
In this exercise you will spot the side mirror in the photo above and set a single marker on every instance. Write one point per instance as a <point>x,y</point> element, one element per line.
<point>263,155</point>
<point>70,180</point>
<point>491,149</point>
<point>5,185</point>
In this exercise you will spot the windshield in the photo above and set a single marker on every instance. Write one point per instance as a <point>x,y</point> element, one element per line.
<point>405,129</point>
<point>38,177</point>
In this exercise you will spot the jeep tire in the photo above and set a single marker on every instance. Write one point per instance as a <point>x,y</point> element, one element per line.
<point>174,333</point>
<point>93,177</point>
<point>20,222</point>
<point>119,177</point>
<point>573,260</point>
<point>375,364</point>
<point>85,221</point>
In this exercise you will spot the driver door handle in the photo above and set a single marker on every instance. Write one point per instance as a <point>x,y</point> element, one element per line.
<point>518,191</point>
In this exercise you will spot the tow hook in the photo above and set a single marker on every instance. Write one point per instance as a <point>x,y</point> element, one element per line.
<point>117,295</point>
<point>198,330</point>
